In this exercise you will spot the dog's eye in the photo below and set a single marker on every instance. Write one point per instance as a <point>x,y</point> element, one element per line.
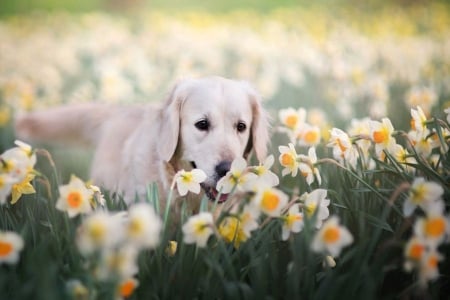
<point>241,127</point>
<point>202,125</point>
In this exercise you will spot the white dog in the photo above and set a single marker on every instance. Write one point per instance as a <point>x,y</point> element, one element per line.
<point>205,123</point>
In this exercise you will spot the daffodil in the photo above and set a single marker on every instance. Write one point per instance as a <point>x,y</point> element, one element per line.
<point>238,177</point>
<point>189,181</point>
<point>10,246</point>
<point>316,203</point>
<point>292,222</point>
<point>418,120</point>
<point>292,118</point>
<point>264,174</point>
<point>309,135</point>
<point>331,238</point>
<point>422,194</point>
<point>118,262</point>
<point>434,226</point>
<point>429,266</point>
<point>99,231</point>
<point>270,201</point>
<point>143,226</point>
<point>403,157</point>
<point>75,197</point>
<point>198,229</point>
<point>307,167</point>
<point>6,184</point>
<point>22,188</point>
<point>414,252</point>
<point>237,228</point>
<point>381,135</point>
<point>288,159</point>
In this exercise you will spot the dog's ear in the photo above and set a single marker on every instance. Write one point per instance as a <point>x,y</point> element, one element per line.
<point>169,123</point>
<point>259,134</point>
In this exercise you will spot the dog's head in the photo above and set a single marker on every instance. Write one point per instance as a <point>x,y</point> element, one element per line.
<point>211,121</point>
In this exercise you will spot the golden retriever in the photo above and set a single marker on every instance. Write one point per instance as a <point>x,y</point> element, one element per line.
<point>205,123</point>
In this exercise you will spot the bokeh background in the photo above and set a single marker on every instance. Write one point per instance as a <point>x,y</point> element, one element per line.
<point>339,59</point>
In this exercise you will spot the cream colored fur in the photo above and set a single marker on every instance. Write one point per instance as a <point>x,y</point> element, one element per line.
<point>136,145</point>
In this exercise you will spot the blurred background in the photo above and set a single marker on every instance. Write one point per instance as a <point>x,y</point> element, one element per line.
<point>341,60</point>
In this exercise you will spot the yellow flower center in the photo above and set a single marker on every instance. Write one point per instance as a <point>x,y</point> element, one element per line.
<point>187,177</point>
<point>135,227</point>
<point>270,201</point>
<point>200,228</point>
<point>311,137</point>
<point>341,145</point>
<point>435,227</point>
<point>5,249</point>
<point>291,121</point>
<point>432,262</point>
<point>74,199</point>
<point>380,136</point>
<point>416,251</point>
<point>291,219</point>
<point>127,288</point>
<point>331,235</point>
<point>97,232</point>
<point>310,209</point>
<point>418,193</point>
<point>287,159</point>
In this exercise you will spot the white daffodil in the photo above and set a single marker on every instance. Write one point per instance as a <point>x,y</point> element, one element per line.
<point>270,201</point>
<point>143,226</point>
<point>331,238</point>
<point>198,229</point>
<point>307,167</point>
<point>288,159</point>
<point>189,181</point>
<point>422,194</point>
<point>75,197</point>
<point>264,174</point>
<point>10,246</point>
<point>316,203</point>
<point>293,222</point>
<point>238,177</point>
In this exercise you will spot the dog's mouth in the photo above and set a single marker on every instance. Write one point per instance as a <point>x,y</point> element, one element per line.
<point>211,191</point>
<point>213,194</point>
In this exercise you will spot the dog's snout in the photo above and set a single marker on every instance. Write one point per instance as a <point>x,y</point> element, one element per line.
<point>222,168</point>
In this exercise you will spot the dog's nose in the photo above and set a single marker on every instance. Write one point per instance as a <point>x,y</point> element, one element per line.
<point>222,168</point>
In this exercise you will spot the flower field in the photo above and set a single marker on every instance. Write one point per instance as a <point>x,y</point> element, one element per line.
<point>352,202</point>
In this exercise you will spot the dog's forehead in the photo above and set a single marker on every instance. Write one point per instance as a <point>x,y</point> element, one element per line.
<point>225,98</point>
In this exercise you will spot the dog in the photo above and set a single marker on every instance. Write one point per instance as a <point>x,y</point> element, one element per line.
<point>204,123</point>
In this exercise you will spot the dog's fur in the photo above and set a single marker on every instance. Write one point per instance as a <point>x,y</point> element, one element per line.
<point>139,144</point>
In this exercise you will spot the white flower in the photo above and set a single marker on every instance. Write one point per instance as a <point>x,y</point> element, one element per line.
<point>143,226</point>
<point>10,246</point>
<point>198,229</point>
<point>117,263</point>
<point>189,181</point>
<point>75,197</point>
<point>288,159</point>
<point>292,118</point>
<point>270,201</point>
<point>422,194</point>
<point>316,201</point>
<point>309,135</point>
<point>264,174</point>
<point>237,178</point>
<point>331,238</point>
<point>293,222</point>
<point>99,231</point>
<point>419,120</point>
<point>307,168</point>
<point>381,135</point>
